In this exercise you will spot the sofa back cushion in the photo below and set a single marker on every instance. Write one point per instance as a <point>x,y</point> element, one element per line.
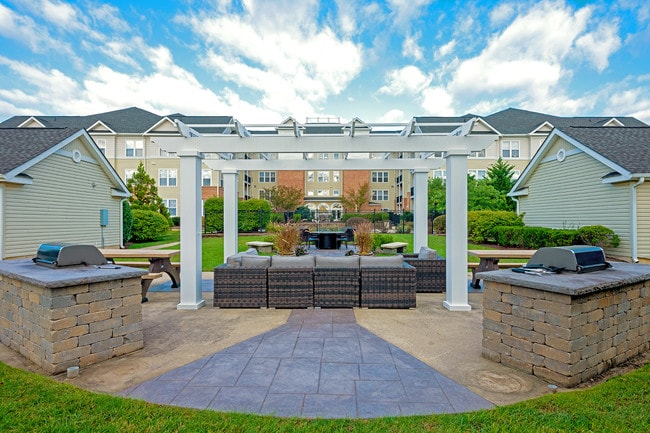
<point>251,261</point>
<point>427,253</point>
<point>381,262</point>
<point>292,261</point>
<point>337,262</point>
<point>235,259</point>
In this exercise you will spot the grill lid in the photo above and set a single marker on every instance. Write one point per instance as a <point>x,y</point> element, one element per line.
<point>576,258</point>
<point>62,254</point>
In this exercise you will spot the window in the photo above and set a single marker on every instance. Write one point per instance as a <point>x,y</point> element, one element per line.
<point>379,195</point>
<point>310,192</point>
<point>478,174</point>
<point>441,174</point>
<point>101,143</point>
<point>323,156</point>
<point>165,154</point>
<point>322,193</point>
<point>516,174</point>
<point>167,177</point>
<point>263,195</point>
<point>170,204</point>
<point>310,176</point>
<point>323,176</point>
<point>267,176</point>
<point>336,176</point>
<point>206,176</point>
<point>336,192</point>
<point>510,149</point>
<point>336,156</point>
<point>477,154</point>
<point>380,176</point>
<point>128,174</point>
<point>438,154</point>
<point>134,148</point>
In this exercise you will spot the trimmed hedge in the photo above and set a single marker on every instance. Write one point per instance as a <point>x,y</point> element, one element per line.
<point>481,223</point>
<point>538,237</point>
<point>148,225</point>
<point>252,214</point>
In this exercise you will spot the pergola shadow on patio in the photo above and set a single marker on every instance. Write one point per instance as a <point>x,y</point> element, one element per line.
<point>404,147</point>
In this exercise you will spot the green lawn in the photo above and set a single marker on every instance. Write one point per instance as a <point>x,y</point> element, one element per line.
<point>32,403</point>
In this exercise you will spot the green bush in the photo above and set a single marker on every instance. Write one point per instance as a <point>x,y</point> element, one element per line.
<point>440,224</point>
<point>213,211</point>
<point>534,237</point>
<point>599,236</point>
<point>254,214</point>
<point>148,225</point>
<point>380,238</point>
<point>303,212</point>
<point>481,224</point>
<point>176,220</point>
<point>127,222</point>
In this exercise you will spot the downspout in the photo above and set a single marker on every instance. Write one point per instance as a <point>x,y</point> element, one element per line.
<point>634,235</point>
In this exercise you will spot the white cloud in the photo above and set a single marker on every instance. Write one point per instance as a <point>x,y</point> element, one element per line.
<point>410,47</point>
<point>437,101</point>
<point>394,116</point>
<point>502,13</point>
<point>445,49</point>
<point>407,80</point>
<point>292,60</point>
<point>24,30</point>
<point>404,11</point>
<point>59,13</point>
<point>598,45</point>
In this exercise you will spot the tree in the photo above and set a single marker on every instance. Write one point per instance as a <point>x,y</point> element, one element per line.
<point>127,222</point>
<point>144,193</point>
<point>483,196</point>
<point>356,198</point>
<point>499,175</point>
<point>437,195</point>
<point>285,198</point>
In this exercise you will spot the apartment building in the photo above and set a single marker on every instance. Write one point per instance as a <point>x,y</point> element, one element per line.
<point>128,137</point>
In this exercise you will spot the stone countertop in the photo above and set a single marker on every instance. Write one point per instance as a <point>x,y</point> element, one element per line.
<point>571,283</point>
<point>52,278</point>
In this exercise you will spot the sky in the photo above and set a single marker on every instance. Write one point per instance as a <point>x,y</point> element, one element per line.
<point>379,60</point>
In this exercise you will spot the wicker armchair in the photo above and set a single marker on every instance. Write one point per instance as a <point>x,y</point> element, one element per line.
<point>431,271</point>
<point>336,282</point>
<point>240,286</point>
<point>387,286</point>
<point>291,282</point>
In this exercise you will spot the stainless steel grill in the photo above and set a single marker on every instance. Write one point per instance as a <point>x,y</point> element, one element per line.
<point>576,258</point>
<point>55,255</point>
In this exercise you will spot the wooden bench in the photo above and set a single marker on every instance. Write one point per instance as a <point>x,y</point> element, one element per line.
<point>261,246</point>
<point>394,247</point>
<point>146,281</point>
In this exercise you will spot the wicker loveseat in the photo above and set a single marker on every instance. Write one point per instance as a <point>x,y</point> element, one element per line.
<point>431,270</point>
<point>308,281</point>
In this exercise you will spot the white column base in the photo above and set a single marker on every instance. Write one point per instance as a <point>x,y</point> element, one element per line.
<point>456,307</point>
<point>197,306</point>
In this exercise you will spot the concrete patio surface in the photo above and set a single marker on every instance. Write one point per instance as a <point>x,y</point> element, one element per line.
<point>449,342</point>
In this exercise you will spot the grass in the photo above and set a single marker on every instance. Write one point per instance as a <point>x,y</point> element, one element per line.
<point>33,403</point>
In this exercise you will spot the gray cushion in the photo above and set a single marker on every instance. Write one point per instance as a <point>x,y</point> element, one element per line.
<point>381,262</point>
<point>292,261</point>
<point>235,259</point>
<point>337,262</point>
<point>251,261</point>
<point>427,253</point>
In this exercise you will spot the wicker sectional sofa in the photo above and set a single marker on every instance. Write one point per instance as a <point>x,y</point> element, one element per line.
<point>309,281</point>
<point>431,270</point>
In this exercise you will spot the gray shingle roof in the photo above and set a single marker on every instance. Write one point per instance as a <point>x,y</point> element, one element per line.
<point>20,145</point>
<point>628,147</point>
<point>516,121</point>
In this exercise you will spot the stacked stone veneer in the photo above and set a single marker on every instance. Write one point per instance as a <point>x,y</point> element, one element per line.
<point>562,338</point>
<point>78,325</point>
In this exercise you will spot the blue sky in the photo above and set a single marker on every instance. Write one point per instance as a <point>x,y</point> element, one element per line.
<point>381,61</point>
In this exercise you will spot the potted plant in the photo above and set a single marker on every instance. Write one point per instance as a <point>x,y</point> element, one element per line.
<point>286,238</point>
<point>363,238</point>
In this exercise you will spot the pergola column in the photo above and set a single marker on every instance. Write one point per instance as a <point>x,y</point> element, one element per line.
<point>191,245</point>
<point>456,239</point>
<point>230,212</point>
<point>420,208</point>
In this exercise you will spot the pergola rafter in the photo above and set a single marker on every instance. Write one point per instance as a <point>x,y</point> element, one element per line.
<point>407,148</point>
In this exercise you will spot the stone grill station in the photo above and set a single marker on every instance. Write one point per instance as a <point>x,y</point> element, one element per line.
<point>70,316</point>
<point>569,327</point>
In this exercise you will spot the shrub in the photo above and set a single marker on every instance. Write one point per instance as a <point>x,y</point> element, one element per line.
<point>127,222</point>
<point>254,214</point>
<point>176,221</point>
<point>380,238</point>
<point>286,237</point>
<point>440,224</point>
<point>148,225</point>
<point>481,224</point>
<point>213,211</point>
<point>534,237</point>
<point>599,236</point>
<point>363,237</point>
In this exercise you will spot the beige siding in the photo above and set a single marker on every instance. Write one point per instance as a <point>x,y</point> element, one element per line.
<point>570,194</point>
<point>643,220</point>
<point>62,204</point>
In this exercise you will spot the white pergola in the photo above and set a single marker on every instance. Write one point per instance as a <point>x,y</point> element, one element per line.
<point>409,149</point>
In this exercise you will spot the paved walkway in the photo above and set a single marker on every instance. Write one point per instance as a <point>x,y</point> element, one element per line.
<point>319,364</point>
